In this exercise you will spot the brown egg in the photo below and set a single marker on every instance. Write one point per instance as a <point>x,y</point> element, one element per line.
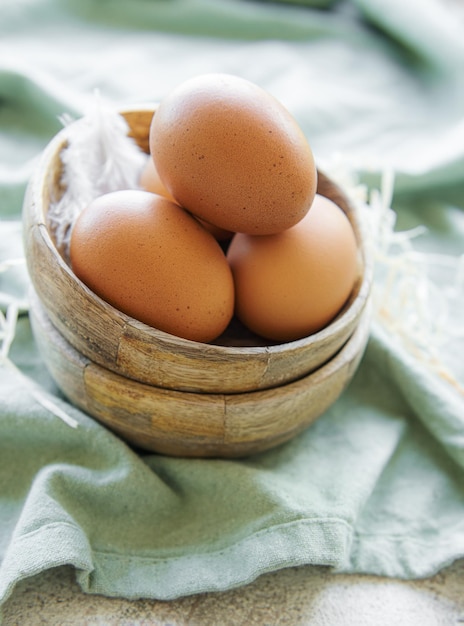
<point>152,260</point>
<point>231,154</point>
<point>150,181</point>
<point>292,284</point>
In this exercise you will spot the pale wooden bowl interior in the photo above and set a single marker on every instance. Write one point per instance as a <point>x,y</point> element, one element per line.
<point>238,362</point>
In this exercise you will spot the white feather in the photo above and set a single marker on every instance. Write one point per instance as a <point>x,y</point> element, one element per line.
<point>99,158</point>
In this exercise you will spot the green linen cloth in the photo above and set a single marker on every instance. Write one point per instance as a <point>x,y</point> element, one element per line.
<point>376,485</point>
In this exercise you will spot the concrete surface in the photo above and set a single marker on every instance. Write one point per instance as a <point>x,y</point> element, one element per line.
<point>294,597</point>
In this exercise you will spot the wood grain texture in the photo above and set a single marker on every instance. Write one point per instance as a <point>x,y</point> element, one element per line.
<point>131,349</point>
<point>194,424</point>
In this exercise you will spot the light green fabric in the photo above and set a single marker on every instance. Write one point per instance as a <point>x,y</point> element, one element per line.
<point>376,485</point>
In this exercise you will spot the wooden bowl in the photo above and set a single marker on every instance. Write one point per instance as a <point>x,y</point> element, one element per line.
<point>238,362</point>
<point>235,397</point>
<point>192,424</point>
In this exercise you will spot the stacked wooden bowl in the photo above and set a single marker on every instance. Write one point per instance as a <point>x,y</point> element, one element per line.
<point>161,393</point>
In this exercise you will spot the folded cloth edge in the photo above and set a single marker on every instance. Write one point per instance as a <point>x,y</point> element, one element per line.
<point>301,542</point>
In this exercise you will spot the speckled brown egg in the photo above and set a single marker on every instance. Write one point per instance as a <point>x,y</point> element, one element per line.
<point>292,284</point>
<point>150,181</point>
<point>149,258</point>
<point>232,154</point>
